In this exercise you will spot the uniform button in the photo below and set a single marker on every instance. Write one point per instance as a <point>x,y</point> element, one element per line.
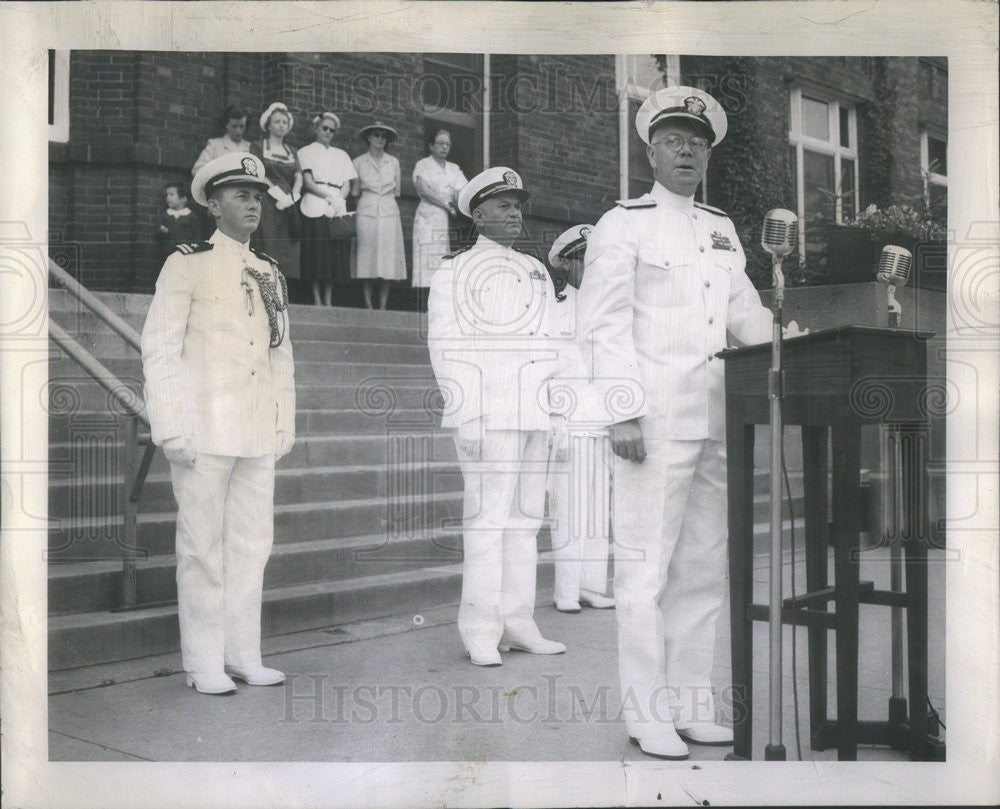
<point>709,357</point>
<point>711,320</point>
<point>701,249</point>
<point>530,332</point>
<point>251,342</point>
<point>694,216</point>
<point>708,283</point>
<point>527,306</point>
<point>253,373</point>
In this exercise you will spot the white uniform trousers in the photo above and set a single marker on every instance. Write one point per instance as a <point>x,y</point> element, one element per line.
<point>670,532</point>
<point>580,507</point>
<point>225,529</point>
<point>503,511</point>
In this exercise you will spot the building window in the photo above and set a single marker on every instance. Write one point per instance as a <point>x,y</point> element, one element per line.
<point>934,169</point>
<point>823,149</point>
<point>59,96</point>
<point>451,93</point>
<point>636,76</point>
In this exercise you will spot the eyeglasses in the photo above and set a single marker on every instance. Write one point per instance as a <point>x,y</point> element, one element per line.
<point>675,143</point>
<point>328,128</point>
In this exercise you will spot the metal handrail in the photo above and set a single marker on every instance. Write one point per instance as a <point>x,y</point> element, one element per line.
<point>95,305</point>
<point>130,401</point>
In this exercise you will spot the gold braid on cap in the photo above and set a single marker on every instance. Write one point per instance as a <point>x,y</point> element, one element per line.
<point>272,302</point>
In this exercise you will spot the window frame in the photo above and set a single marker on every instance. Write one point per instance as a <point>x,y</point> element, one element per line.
<point>629,91</point>
<point>477,121</point>
<point>829,148</point>
<point>59,84</point>
<point>931,177</point>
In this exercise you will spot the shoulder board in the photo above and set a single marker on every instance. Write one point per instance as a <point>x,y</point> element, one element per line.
<point>529,252</point>
<point>263,255</point>
<point>187,248</point>
<point>454,253</point>
<point>641,202</point>
<point>710,209</point>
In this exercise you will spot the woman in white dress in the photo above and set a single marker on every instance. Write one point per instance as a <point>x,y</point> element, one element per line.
<point>437,182</point>
<point>380,232</point>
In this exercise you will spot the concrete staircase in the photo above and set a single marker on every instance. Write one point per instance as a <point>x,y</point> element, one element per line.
<point>367,506</point>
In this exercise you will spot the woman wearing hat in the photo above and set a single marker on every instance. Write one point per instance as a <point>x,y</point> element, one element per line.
<point>233,121</point>
<point>437,182</point>
<point>278,234</point>
<point>327,229</point>
<point>380,231</point>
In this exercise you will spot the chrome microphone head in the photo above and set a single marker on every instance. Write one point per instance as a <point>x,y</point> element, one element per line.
<point>894,265</point>
<point>780,233</point>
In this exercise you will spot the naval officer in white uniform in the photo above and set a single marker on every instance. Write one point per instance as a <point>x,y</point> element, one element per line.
<point>664,289</point>
<point>220,393</point>
<point>579,484</point>
<point>490,338</point>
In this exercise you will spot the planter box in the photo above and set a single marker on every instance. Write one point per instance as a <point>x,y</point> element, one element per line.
<point>853,254</point>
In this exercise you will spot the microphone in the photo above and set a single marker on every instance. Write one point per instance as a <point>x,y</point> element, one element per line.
<point>894,270</point>
<point>780,234</point>
<point>779,237</point>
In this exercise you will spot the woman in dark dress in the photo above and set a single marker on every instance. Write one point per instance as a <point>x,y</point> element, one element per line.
<point>279,231</point>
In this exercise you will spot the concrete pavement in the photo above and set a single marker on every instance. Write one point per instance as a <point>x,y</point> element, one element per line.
<point>401,689</point>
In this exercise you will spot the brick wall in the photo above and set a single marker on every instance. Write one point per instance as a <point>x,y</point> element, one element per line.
<point>139,119</point>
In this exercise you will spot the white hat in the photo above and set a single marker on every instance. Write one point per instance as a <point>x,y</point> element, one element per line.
<point>234,167</point>
<point>323,115</point>
<point>275,107</point>
<point>489,183</point>
<point>567,242</point>
<point>688,103</point>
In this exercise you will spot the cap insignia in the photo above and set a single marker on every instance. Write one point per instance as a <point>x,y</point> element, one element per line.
<point>510,178</point>
<point>694,105</point>
<point>249,166</point>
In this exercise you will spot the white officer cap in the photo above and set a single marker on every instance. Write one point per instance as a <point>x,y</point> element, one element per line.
<point>235,167</point>
<point>567,243</point>
<point>489,183</point>
<point>277,106</point>
<point>684,102</point>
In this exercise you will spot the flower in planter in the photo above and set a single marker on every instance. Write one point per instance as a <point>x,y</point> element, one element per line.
<point>921,226</point>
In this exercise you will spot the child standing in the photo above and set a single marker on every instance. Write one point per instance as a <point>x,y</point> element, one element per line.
<point>178,223</point>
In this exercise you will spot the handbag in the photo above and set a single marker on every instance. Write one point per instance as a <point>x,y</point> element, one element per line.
<point>342,227</point>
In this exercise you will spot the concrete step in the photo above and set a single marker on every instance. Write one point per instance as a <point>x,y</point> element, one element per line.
<point>69,496</point>
<point>96,586</point>
<point>315,346</point>
<point>308,423</point>
<point>407,446</point>
<point>133,307</point>
<point>326,372</point>
<point>76,393</point>
<point>98,637</point>
<point>98,537</point>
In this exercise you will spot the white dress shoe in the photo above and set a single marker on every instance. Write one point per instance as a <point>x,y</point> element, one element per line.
<point>485,657</point>
<point>707,733</point>
<point>212,682</point>
<point>661,743</point>
<point>567,605</point>
<point>596,600</point>
<point>535,646</point>
<point>256,675</point>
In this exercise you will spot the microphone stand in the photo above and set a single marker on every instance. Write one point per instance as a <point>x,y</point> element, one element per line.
<point>775,750</point>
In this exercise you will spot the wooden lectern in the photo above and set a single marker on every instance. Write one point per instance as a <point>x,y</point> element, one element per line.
<point>834,381</point>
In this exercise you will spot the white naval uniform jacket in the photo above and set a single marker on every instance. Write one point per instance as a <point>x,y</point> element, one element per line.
<point>491,337</point>
<point>664,289</point>
<point>210,372</point>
